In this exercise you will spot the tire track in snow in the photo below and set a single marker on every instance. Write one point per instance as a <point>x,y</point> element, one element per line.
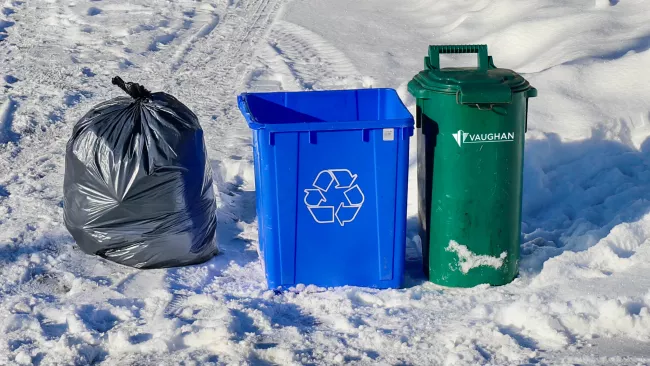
<point>216,67</point>
<point>186,47</point>
<point>214,61</point>
<point>7,111</point>
<point>8,106</point>
<point>215,71</point>
<point>208,76</point>
<point>243,55</point>
<point>271,73</point>
<point>313,61</point>
<point>7,11</point>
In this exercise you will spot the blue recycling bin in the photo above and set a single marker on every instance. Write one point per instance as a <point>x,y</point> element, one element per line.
<point>331,176</point>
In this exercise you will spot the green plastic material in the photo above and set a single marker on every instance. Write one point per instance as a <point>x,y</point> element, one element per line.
<point>471,125</point>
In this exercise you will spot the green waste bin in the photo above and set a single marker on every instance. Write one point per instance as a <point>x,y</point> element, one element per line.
<point>471,124</point>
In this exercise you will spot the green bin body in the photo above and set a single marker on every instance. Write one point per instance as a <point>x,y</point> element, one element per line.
<point>471,124</point>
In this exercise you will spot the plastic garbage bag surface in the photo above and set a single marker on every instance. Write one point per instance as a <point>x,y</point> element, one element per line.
<point>138,182</point>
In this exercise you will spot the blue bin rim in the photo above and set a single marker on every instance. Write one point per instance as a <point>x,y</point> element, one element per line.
<point>323,126</point>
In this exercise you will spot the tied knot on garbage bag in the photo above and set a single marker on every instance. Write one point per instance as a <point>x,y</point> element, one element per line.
<point>138,182</point>
<point>136,91</point>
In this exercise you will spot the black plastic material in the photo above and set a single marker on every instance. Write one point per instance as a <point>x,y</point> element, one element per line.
<point>138,182</point>
<point>427,133</point>
<point>136,91</point>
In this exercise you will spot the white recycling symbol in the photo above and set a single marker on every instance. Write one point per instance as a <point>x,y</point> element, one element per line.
<point>326,212</point>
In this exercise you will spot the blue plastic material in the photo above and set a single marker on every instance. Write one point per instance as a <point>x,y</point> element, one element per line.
<point>331,174</point>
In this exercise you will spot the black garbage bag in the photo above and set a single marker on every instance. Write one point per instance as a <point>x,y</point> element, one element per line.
<point>138,182</point>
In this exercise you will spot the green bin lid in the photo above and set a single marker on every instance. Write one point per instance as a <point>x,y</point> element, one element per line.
<point>485,84</point>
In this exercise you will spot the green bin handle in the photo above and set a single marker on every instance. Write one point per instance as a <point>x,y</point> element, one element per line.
<point>484,61</point>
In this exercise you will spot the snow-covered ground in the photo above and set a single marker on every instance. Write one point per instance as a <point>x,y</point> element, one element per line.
<point>583,296</point>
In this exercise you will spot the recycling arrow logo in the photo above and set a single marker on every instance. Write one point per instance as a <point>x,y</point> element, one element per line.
<point>326,210</point>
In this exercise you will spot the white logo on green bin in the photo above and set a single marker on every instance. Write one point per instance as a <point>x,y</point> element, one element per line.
<point>325,211</point>
<point>463,137</point>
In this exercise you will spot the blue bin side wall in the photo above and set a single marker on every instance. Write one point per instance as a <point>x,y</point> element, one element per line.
<point>259,202</point>
<point>356,108</point>
<point>401,204</point>
<point>326,106</point>
<point>286,157</point>
<point>391,106</point>
<point>322,106</point>
<point>298,250</point>
<point>265,192</point>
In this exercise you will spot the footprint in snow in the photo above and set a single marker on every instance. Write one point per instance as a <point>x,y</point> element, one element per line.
<point>10,79</point>
<point>101,320</point>
<point>87,72</point>
<point>4,25</point>
<point>94,11</point>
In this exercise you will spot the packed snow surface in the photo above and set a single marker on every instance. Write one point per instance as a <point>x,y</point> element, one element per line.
<point>583,294</point>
